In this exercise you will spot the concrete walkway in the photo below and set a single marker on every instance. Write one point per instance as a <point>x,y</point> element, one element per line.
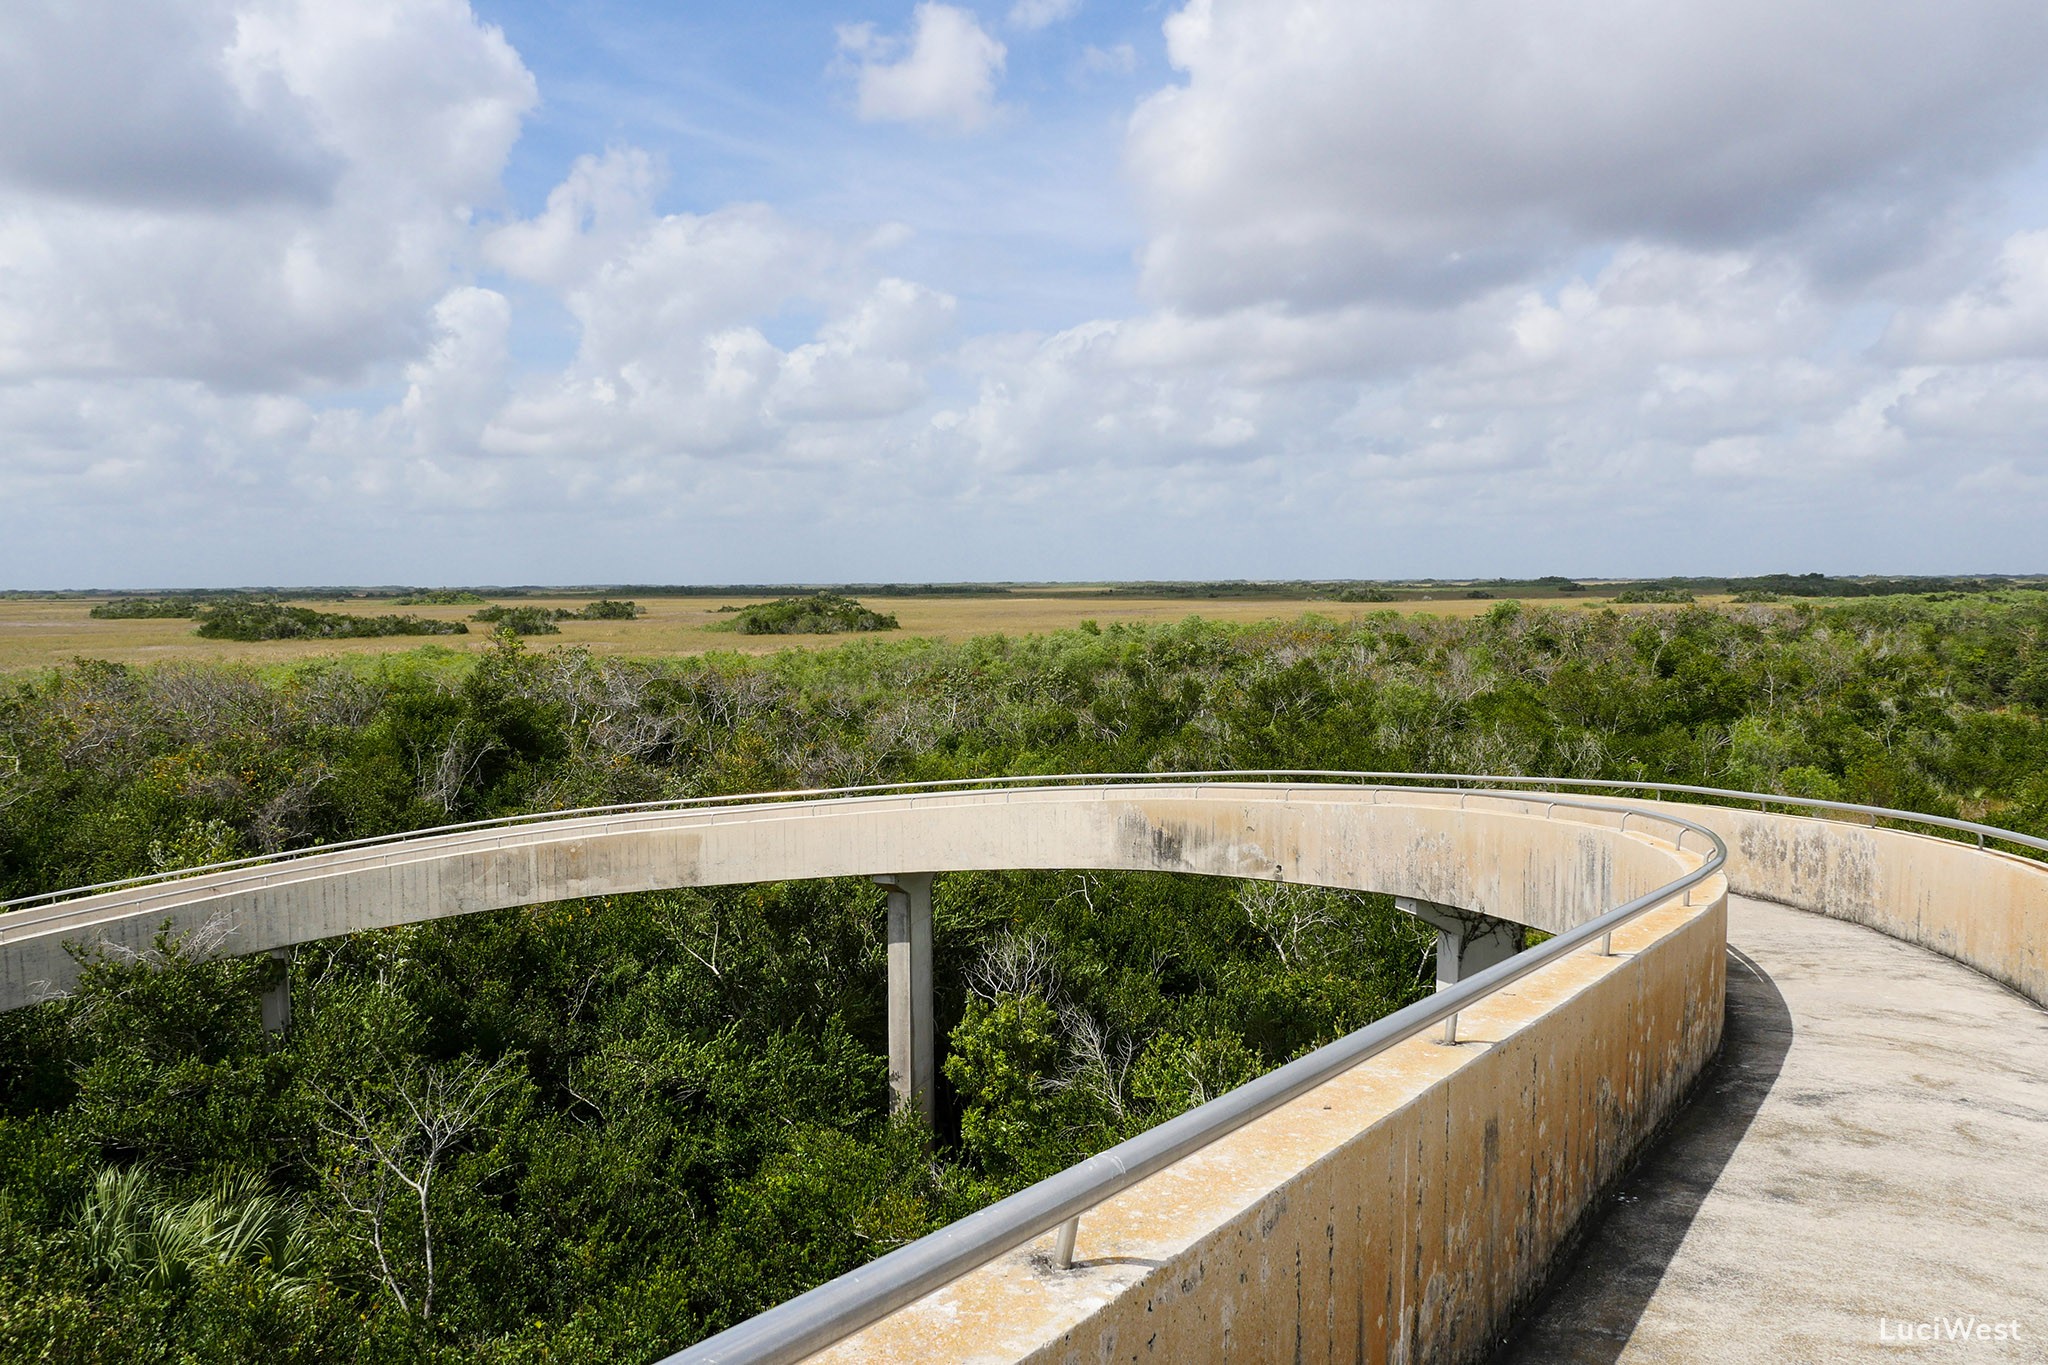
<point>1870,1154</point>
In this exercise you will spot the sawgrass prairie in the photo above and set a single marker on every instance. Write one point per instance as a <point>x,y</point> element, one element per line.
<point>40,633</point>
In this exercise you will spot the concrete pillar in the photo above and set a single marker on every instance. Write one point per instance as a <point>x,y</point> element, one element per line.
<point>913,1049</point>
<point>277,1000</point>
<point>1467,942</point>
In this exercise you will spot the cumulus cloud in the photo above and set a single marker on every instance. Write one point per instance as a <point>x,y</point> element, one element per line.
<point>148,105</point>
<point>1405,147</point>
<point>2000,317</point>
<point>671,357</point>
<point>283,199</point>
<point>459,383</point>
<point>943,76</point>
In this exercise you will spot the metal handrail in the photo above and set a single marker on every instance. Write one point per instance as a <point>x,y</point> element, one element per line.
<point>829,1313</point>
<point>1982,831</point>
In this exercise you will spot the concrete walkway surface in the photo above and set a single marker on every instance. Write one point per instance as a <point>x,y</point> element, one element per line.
<point>1865,1167</point>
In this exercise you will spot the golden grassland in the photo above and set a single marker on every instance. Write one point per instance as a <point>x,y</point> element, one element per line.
<point>40,633</point>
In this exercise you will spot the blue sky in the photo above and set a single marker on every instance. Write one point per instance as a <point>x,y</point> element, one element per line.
<point>1028,225</point>
<point>495,291</point>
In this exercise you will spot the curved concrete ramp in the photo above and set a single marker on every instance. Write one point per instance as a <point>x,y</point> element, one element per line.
<point>1868,1158</point>
<point>1546,862</point>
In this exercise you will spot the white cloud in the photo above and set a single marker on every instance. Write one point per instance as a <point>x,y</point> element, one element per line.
<point>283,200</point>
<point>148,104</point>
<point>2000,317</point>
<point>943,76</point>
<point>1409,148</point>
<point>1031,15</point>
<point>602,204</point>
<point>671,358</point>
<point>460,383</point>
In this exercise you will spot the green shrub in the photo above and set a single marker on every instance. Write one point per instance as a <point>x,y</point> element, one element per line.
<point>275,621</point>
<point>437,597</point>
<point>146,609</point>
<point>520,620</point>
<point>608,609</point>
<point>824,614</point>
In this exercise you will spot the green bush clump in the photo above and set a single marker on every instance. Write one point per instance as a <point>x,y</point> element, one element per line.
<point>275,621</point>
<point>521,620</point>
<point>824,614</point>
<point>146,609</point>
<point>607,609</point>
<point>437,597</point>
<point>1662,597</point>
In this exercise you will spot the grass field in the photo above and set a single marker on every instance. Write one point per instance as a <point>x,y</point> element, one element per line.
<point>38,633</point>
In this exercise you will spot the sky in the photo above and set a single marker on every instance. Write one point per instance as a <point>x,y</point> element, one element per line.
<point>502,291</point>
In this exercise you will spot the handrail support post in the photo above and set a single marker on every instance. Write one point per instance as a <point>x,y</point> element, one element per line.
<point>1063,1245</point>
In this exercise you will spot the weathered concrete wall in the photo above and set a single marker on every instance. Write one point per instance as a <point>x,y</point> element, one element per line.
<point>1402,1212</point>
<point>1502,856</point>
<point>1987,910</point>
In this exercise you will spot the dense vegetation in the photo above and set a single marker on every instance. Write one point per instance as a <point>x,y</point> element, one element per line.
<point>519,620</point>
<point>818,614</point>
<point>527,620</point>
<point>147,609</point>
<point>607,609</point>
<point>275,621</point>
<point>1551,586</point>
<point>437,597</point>
<point>649,1116</point>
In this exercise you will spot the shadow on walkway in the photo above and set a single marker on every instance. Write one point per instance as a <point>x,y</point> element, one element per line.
<point>1589,1310</point>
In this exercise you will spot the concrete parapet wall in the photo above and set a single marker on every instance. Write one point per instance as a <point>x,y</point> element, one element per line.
<point>1503,855</point>
<point>1985,909</point>
<point>1402,1212</point>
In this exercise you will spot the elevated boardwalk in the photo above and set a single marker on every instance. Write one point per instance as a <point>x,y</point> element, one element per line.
<point>1869,1153</point>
